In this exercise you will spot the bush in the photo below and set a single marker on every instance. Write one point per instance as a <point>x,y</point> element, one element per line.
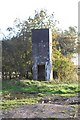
<point>65,69</point>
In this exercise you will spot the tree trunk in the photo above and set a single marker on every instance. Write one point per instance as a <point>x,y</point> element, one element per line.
<point>26,74</point>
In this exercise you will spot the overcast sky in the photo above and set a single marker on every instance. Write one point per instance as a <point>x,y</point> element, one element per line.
<point>66,11</point>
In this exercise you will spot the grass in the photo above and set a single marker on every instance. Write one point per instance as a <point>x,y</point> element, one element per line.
<point>20,92</point>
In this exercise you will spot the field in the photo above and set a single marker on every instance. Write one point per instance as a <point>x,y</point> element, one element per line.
<point>22,92</point>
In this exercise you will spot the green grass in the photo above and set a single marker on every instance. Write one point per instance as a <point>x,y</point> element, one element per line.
<point>19,92</point>
<point>5,104</point>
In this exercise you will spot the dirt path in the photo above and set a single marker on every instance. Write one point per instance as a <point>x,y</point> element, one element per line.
<point>42,111</point>
<point>55,107</point>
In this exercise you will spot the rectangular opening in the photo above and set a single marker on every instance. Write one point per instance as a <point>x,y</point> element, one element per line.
<point>41,72</point>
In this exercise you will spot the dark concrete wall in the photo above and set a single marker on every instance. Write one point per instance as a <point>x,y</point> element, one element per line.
<point>41,50</point>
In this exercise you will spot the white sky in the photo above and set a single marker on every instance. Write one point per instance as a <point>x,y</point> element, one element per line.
<point>66,11</point>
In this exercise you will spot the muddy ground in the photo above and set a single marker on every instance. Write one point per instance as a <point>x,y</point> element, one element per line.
<point>47,107</point>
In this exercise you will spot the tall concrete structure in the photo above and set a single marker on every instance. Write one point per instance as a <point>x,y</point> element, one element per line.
<point>42,54</point>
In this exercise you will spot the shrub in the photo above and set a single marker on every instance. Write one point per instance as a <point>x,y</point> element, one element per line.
<point>65,69</point>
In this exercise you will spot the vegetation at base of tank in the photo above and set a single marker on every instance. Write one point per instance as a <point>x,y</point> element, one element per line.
<point>21,92</point>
